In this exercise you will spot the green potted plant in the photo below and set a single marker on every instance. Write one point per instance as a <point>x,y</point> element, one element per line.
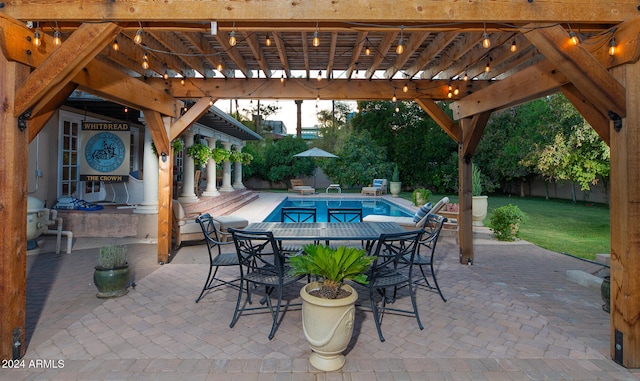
<point>420,196</point>
<point>505,222</point>
<point>200,153</point>
<point>480,202</point>
<point>220,155</point>
<point>236,156</point>
<point>111,275</point>
<point>328,306</point>
<point>395,185</point>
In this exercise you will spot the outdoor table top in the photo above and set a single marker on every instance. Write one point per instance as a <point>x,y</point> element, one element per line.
<point>326,230</point>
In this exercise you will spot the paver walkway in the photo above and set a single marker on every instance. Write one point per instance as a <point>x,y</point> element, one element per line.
<point>513,315</point>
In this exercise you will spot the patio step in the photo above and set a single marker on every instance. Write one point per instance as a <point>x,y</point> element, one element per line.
<point>224,204</point>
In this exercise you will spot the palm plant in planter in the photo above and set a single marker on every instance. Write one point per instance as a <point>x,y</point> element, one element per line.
<point>328,307</point>
<point>111,276</point>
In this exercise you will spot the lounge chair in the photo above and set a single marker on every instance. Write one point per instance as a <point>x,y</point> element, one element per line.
<point>379,187</point>
<point>411,223</point>
<point>298,186</point>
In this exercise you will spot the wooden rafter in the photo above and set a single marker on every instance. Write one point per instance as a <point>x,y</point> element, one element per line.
<point>63,64</point>
<point>461,46</point>
<point>583,70</point>
<point>440,42</point>
<point>444,121</point>
<point>254,45</point>
<point>415,40</point>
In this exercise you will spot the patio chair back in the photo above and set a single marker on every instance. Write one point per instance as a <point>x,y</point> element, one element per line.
<point>298,214</point>
<point>390,272</point>
<point>216,258</point>
<point>261,264</point>
<point>344,215</point>
<point>425,255</point>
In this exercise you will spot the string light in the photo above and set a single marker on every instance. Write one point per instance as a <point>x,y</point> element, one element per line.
<point>514,47</point>
<point>219,67</point>
<point>367,51</point>
<point>138,37</point>
<point>405,88</point>
<point>56,36</point>
<point>488,68</point>
<point>319,75</point>
<point>612,46</point>
<point>115,46</point>
<point>573,38</point>
<point>165,75</point>
<point>486,43</point>
<point>232,36</point>
<point>316,39</point>
<point>267,41</point>
<point>397,108</point>
<point>400,47</point>
<point>466,77</point>
<point>282,78</point>
<point>182,81</point>
<point>450,94</point>
<point>394,98</point>
<point>145,61</point>
<point>456,91</point>
<point>37,39</point>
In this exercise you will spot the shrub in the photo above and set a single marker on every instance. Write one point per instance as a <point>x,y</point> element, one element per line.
<point>505,222</point>
<point>112,256</point>
<point>420,196</point>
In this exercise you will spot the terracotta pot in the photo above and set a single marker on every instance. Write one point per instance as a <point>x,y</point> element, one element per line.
<point>327,326</point>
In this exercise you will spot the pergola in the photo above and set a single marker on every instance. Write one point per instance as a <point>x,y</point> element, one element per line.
<point>205,50</point>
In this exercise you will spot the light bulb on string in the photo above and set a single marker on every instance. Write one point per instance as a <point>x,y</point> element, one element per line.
<point>319,77</point>
<point>316,40</point>
<point>466,77</point>
<point>514,47</point>
<point>282,78</point>
<point>612,46</point>
<point>400,47</point>
<point>37,39</point>
<point>367,51</point>
<point>115,46</point>
<point>182,81</point>
<point>138,37</point>
<point>486,43</point>
<point>573,38</point>
<point>145,61</point>
<point>397,108</point>
<point>487,68</point>
<point>394,98</point>
<point>267,41</point>
<point>456,91</point>
<point>405,88</point>
<point>57,40</point>
<point>165,75</point>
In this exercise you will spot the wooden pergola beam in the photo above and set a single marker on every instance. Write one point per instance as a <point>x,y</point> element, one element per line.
<point>190,117</point>
<point>505,11</point>
<point>441,118</point>
<point>63,64</point>
<point>596,119</point>
<point>582,69</point>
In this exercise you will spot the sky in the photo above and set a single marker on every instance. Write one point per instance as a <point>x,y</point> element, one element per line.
<point>287,112</point>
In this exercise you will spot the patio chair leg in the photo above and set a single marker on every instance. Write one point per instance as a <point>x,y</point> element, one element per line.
<point>377,318</point>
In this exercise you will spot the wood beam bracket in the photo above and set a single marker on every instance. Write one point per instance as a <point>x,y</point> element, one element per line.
<point>617,121</point>
<point>22,120</point>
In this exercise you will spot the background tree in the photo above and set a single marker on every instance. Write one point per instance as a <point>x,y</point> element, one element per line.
<point>279,163</point>
<point>333,126</point>
<point>360,160</point>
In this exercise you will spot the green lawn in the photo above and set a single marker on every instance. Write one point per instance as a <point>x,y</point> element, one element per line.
<point>580,229</point>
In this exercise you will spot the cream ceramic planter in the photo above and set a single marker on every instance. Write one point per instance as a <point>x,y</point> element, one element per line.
<point>479,212</point>
<point>395,187</point>
<point>327,326</point>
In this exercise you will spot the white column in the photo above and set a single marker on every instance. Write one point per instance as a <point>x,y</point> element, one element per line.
<point>149,203</point>
<point>226,171</point>
<point>211,190</point>
<point>188,183</point>
<point>237,181</point>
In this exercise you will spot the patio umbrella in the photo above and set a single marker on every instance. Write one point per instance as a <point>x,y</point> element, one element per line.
<point>315,152</point>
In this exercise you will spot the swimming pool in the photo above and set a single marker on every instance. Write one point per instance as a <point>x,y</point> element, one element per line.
<point>380,207</point>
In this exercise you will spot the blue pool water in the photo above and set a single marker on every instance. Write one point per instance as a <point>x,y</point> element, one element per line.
<point>368,206</point>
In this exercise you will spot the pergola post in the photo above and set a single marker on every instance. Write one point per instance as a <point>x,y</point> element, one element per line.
<point>13,205</point>
<point>625,223</point>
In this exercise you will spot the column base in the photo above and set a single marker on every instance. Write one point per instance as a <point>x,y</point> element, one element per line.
<point>212,193</point>
<point>227,188</point>
<point>146,209</point>
<point>188,199</point>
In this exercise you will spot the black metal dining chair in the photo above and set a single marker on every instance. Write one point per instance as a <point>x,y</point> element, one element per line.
<point>213,238</point>
<point>346,215</point>
<point>291,214</point>
<point>261,264</point>
<point>390,272</point>
<point>298,214</point>
<point>425,255</point>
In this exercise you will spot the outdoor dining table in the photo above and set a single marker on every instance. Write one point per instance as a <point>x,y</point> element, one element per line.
<point>326,231</point>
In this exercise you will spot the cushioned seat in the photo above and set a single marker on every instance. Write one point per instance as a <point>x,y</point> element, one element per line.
<point>410,223</point>
<point>227,222</point>
<point>185,227</point>
<point>379,187</point>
